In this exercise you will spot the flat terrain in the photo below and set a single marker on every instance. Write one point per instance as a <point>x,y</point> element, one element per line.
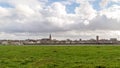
<point>59,56</point>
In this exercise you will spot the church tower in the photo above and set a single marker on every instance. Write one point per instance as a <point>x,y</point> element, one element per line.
<point>50,37</point>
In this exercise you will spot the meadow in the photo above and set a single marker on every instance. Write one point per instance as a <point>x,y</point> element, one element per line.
<point>59,56</point>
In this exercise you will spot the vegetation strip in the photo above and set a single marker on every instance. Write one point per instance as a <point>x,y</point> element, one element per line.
<point>59,56</point>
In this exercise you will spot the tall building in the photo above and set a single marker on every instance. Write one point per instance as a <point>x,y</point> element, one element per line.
<point>97,39</point>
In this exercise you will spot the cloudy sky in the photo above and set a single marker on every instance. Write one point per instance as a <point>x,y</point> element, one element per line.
<point>74,19</point>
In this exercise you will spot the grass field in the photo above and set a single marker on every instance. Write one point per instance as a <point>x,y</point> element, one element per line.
<point>59,56</point>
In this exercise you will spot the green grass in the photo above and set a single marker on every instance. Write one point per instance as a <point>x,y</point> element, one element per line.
<point>59,56</point>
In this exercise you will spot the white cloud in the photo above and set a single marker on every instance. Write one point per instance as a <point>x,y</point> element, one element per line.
<point>105,3</point>
<point>25,10</point>
<point>115,0</point>
<point>85,11</point>
<point>112,12</point>
<point>4,12</point>
<point>36,16</point>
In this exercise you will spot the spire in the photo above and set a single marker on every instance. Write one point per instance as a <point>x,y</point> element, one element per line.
<point>50,37</point>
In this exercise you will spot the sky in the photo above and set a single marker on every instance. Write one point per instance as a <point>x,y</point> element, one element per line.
<point>73,19</point>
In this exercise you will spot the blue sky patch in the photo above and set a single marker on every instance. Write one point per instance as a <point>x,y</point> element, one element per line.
<point>113,3</point>
<point>71,8</point>
<point>5,5</point>
<point>96,5</point>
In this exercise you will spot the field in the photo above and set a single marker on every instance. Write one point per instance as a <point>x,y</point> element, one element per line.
<point>59,56</point>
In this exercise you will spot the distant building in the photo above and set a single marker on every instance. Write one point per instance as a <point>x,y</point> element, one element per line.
<point>97,39</point>
<point>113,40</point>
<point>4,42</point>
<point>47,40</point>
<point>50,37</point>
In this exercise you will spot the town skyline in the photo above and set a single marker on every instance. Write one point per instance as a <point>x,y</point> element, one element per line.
<point>67,37</point>
<point>50,37</point>
<point>52,41</point>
